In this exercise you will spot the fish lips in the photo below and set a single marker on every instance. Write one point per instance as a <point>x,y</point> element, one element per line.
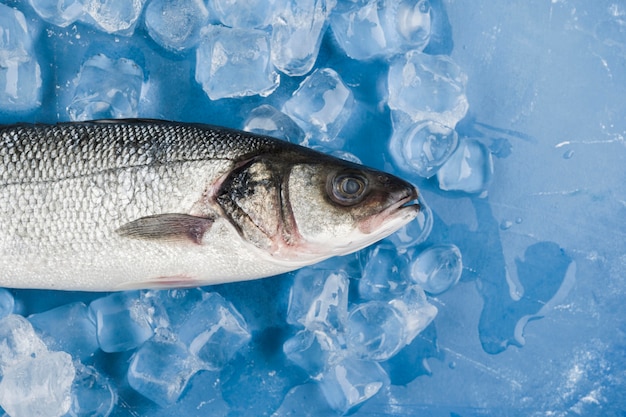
<point>398,209</point>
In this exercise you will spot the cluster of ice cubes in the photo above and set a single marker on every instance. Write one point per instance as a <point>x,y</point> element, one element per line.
<point>348,319</point>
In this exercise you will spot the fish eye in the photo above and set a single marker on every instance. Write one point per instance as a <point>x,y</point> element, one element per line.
<point>348,189</point>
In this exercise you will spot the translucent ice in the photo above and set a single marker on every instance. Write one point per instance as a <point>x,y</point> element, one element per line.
<point>382,28</point>
<point>214,331</point>
<point>437,268</point>
<point>267,120</point>
<point>415,310</point>
<point>314,350</point>
<point>233,62</point>
<point>469,169</point>
<point>18,342</point>
<point>318,300</point>
<point>321,106</point>
<point>20,74</point>
<point>59,12</point>
<point>297,32</point>
<point>384,274</point>
<point>38,386</point>
<point>161,369</point>
<point>427,87</point>
<point>177,304</point>
<point>351,382</point>
<point>68,328</point>
<point>93,395</point>
<point>422,147</point>
<point>7,303</point>
<point>122,321</point>
<point>175,25</point>
<point>305,400</point>
<point>245,13</point>
<point>106,89</point>
<point>415,232</point>
<point>114,16</point>
<point>375,331</point>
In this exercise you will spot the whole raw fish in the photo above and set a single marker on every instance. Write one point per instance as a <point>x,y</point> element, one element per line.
<point>113,205</point>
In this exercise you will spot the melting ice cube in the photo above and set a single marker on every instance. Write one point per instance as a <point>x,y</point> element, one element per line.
<point>246,13</point>
<point>113,16</point>
<point>469,169</point>
<point>232,62</point>
<point>437,268</point>
<point>266,120</point>
<point>59,12</point>
<point>92,393</point>
<point>175,25</point>
<point>18,342</point>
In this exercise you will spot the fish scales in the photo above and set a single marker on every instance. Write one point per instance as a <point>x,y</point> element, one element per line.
<point>112,205</point>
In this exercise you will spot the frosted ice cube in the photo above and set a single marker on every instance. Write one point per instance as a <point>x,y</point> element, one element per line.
<point>384,274</point>
<point>415,310</point>
<point>161,369</point>
<point>246,13</point>
<point>175,25</point>
<point>234,62</point>
<point>382,28</point>
<point>59,12</point>
<point>7,303</point>
<point>266,120</point>
<point>469,169</point>
<point>422,147</point>
<point>415,232</point>
<point>314,350</point>
<point>297,32</point>
<point>318,300</point>
<point>437,268</point>
<point>38,386</point>
<point>113,16</point>
<point>106,89</point>
<point>351,382</point>
<point>18,342</point>
<point>93,394</point>
<point>67,328</point>
<point>375,331</point>
<point>427,87</point>
<point>321,106</point>
<point>122,321</point>
<point>214,331</point>
<point>20,74</point>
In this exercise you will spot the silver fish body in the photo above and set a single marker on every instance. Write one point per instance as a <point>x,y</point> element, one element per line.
<point>114,205</point>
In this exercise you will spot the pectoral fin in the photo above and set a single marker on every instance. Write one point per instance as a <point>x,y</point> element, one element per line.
<point>168,227</point>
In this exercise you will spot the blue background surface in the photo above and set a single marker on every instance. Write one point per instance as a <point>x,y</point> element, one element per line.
<point>537,325</point>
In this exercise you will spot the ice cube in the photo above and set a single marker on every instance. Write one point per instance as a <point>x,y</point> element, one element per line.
<point>214,331</point>
<point>93,394</point>
<point>18,342</point>
<point>314,350</point>
<point>415,232</point>
<point>67,328</point>
<point>176,304</point>
<point>106,89</point>
<point>233,62</point>
<point>306,400</point>
<point>59,12</point>
<point>382,28</point>
<point>113,16</point>
<point>20,74</point>
<point>321,106</point>
<point>427,87</point>
<point>318,300</point>
<point>375,331</point>
<point>38,386</point>
<point>7,303</point>
<point>297,32</point>
<point>384,274</point>
<point>175,25</point>
<point>422,147</point>
<point>437,268</point>
<point>469,169</point>
<point>415,310</point>
<point>351,382</point>
<point>267,120</point>
<point>246,13</point>
<point>122,321</point>
<point>161,369</point>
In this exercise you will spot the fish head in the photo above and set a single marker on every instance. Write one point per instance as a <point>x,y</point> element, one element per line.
<point>303,208</point>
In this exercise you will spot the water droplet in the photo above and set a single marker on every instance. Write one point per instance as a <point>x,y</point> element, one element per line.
<point>506,224</point>
<point>568,154</point>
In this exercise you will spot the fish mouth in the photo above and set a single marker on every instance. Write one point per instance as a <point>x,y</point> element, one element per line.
<point>404,209</point>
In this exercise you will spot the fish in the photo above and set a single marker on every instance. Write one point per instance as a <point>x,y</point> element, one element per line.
<point>112,205</point>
